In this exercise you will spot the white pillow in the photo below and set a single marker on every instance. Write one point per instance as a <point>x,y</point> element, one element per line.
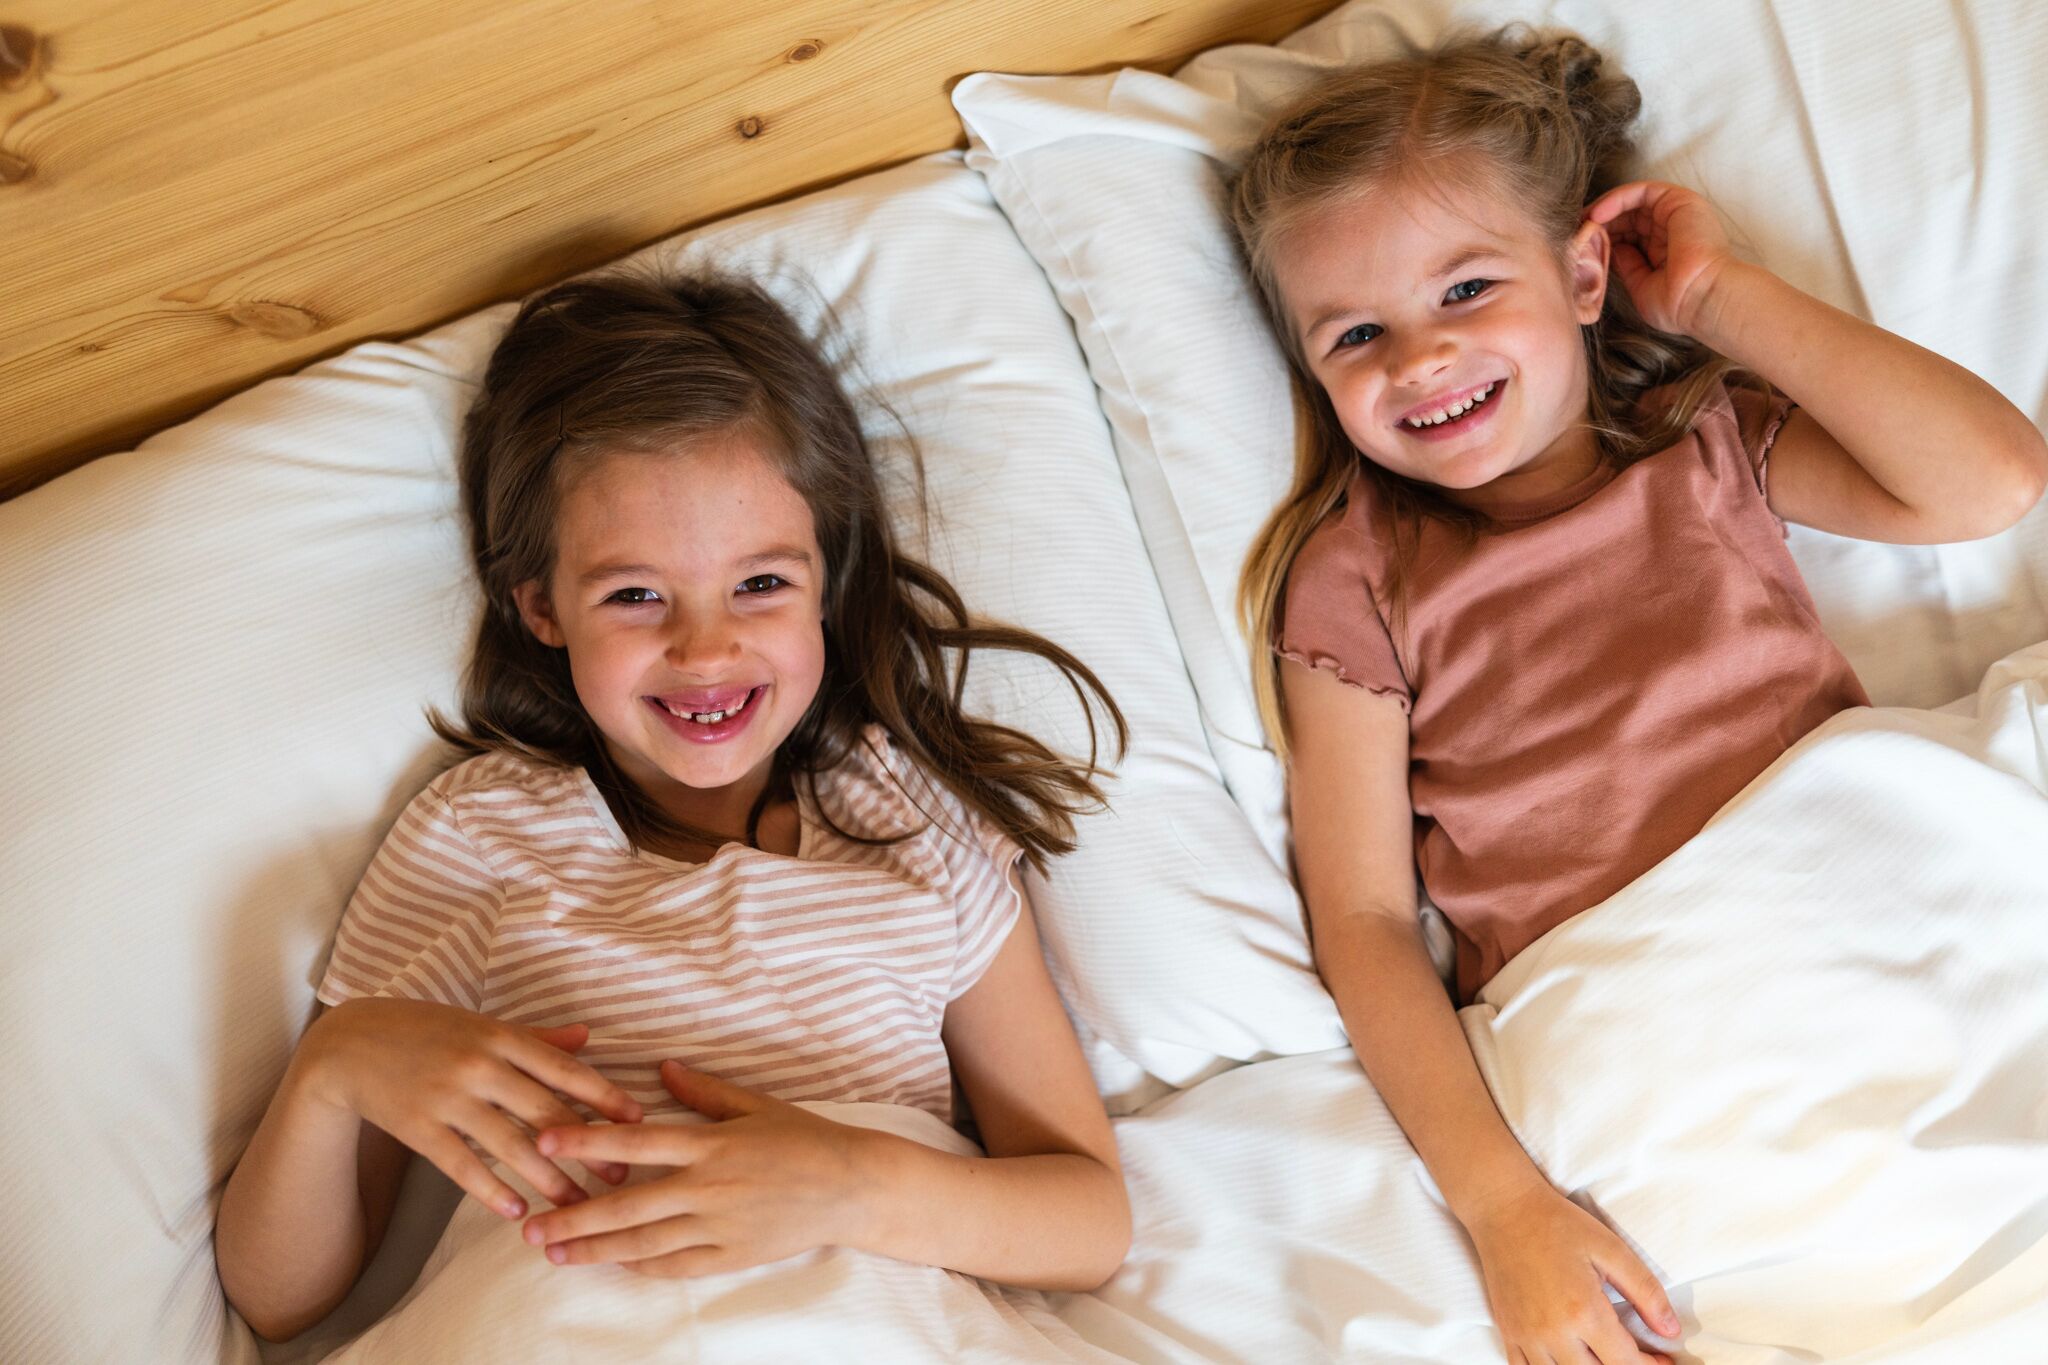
<point>220,646</point>
<point>1116,183</point>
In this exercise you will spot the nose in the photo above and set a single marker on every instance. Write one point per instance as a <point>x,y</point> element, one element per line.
<point>1422,356</point>
<point>702,643</point>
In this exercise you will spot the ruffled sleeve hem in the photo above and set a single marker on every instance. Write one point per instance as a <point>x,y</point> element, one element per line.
<point>1765,442</point>
<point>1334,666</point>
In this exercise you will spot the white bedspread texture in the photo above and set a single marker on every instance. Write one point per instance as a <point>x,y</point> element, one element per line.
<point>487,1295</point>
<point>1803,1063</point>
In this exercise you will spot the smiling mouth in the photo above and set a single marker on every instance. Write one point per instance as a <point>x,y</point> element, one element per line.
<point>712,717</point>
<point>1453,413</point>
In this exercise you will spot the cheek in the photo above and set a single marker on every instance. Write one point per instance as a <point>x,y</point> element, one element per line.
<point>1354,393</point>
<point>604,665</point>
<point>796,644</point>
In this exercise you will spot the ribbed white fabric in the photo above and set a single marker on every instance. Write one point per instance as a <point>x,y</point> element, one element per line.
<point>486,1295</point>
<point>507,888</point>
<point>1800,1063</point>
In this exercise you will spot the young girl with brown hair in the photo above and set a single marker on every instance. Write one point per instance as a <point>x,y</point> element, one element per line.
<point>1531,614</point>
<point>727,840</point>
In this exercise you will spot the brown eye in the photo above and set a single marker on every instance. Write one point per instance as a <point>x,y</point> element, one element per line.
<point>764,582</point>
<point>634,597</point>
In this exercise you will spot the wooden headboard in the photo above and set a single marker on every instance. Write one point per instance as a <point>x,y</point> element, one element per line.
<point>200,193</point>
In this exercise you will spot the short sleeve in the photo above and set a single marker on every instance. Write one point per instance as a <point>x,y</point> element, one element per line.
<point>1330,620</point>
<point>1745,418</point>
<point>979,860</point>
<point>419,924</point>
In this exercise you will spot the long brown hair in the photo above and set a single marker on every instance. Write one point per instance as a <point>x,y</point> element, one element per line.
<point>628,362</point>
<point>1537,116</point>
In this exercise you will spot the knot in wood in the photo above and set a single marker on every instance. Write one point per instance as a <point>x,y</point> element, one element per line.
<point>18,51</point>
<point>284,321</point>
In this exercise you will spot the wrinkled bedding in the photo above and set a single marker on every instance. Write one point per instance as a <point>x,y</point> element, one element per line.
<point>1803,1063</point>
<point>487,1295</point>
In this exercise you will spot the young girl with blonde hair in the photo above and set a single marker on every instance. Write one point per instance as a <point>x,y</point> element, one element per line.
<point>1531,612</point>
<point>727,840</point>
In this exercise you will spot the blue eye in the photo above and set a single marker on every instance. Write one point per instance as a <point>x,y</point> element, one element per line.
<point>1466,289</point>
<point>634,597</point>
<point>1359,335</point>
<point>765,582</point>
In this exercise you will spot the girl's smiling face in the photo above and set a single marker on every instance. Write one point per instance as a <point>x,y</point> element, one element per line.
<point>688,590</point>
<point>1444,327</point>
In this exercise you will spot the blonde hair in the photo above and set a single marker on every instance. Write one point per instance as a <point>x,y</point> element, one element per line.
<point>1550,122</point>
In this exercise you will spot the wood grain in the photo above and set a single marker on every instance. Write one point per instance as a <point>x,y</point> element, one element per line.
<point>199,194</point>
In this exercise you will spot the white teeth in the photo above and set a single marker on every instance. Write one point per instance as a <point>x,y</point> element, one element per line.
<point>1457,409</point>
<point>704,717</point>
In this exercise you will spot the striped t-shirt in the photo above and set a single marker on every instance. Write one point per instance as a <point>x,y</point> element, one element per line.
<point>507,888</point>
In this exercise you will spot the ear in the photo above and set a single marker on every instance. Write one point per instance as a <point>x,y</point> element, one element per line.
<point>537,609</point>
<point>1585,268</point>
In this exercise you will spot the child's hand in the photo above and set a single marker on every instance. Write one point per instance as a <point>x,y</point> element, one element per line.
<point>767,1180</point>
<point>1546,1261</point>
<point>430,1074</point>
<point>1668,248</point>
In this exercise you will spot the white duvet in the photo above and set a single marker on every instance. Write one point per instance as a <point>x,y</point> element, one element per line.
<point>485,1295</point>
<point>1802,1065</point>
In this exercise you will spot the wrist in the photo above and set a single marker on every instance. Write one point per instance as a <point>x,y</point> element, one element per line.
<point>1484,1205</point>
<point>864,1202</point>
<point>1723,303</point>
<point>309,1080</point>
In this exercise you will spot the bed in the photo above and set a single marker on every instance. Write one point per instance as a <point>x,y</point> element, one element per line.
<point>221,642</point>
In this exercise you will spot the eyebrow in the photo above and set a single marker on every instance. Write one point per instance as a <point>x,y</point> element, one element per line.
<point>779,554</point>
<point>1458,260</point>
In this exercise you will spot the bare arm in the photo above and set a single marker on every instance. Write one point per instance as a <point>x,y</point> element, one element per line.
<point>1049,1209</point>
<point>304,1210</point>
<point>1891,441</point>
<point>372,1081</point>
<point>1353,841</point>
<point>1544,1258</point>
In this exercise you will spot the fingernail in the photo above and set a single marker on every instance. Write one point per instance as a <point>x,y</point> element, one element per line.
<point>534,1234</point>
<point>514,1208</point>
<point>559,1254</point>
<point>547,1143</point>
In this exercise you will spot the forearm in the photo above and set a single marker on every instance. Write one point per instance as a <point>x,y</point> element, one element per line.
<point>1932,434</point>
<point>1413,1049</point>
<point>291,1234</point>
<point>1054,1221</point>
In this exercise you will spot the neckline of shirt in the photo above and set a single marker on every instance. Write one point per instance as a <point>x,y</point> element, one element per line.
<point>601,811</point>
<point>1527,510</point>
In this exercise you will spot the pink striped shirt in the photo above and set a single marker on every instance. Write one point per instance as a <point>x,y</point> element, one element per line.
<point>507,888</point>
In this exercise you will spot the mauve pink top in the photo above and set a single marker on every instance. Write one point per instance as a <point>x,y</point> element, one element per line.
<point>1588,681</point>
